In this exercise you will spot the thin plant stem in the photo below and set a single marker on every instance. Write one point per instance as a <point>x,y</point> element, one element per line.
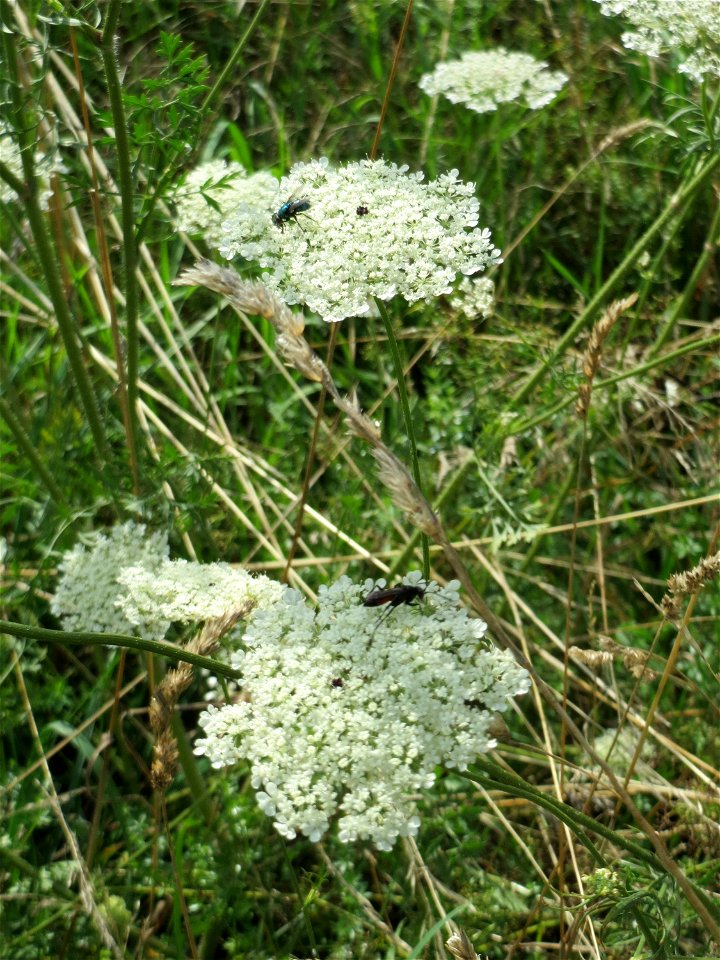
<point>46,253</point>
<point>708,251</point>
<point>391,79</point>
<point>105,266</point>
<point>129,244</point>
<point>409,427</point>
<point>168,650</point>
<point>27,447</point>
<point>310,461</point>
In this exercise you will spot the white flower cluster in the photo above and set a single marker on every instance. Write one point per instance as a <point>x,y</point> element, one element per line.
<point>218,189</point>
<point>372,229</point>
<point>184,592</point>
<point>475,297</point>
<point>483,80</point>
<point>689,27</point>
<point>88,589</point>
<point>350,708</point>
<point>45,166</point>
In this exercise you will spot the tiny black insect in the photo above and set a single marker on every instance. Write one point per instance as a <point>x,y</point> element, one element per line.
<point>289,211</point>
<point>396,596</point>
<point>401,593</point>
<point>337,682</point>
<point>362,210</point>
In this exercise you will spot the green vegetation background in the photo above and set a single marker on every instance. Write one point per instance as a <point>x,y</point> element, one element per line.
<point>567,191</point>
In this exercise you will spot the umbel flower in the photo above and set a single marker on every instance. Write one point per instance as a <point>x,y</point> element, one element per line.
<point>349,709</point>
<point>689,28</point>
<point>215,190</point>
<point>371,230</point>
<point>123,582</point>
<point>88,589</point>
<point>484,80</point>
<point>184,592</point>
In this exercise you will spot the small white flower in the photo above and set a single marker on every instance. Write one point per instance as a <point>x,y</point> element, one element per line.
<point>218,189</point>
<point>88,589</point>
<point>184,592</point>
<point>45,165</point>
<point>372,230</point>
<point>475,297</point>
<point>482,80</point>
<point>350,708</point>
<point>690,28</point>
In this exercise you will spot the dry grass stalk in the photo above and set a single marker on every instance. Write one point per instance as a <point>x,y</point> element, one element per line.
<point>633,660</point>
<point>593,351</point>
<point>689,581</point>
<point>170,689</point>
<point>293,347</point>
<point>459,946</point>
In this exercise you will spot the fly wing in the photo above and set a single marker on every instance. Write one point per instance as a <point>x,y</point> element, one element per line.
<point>376,598</point>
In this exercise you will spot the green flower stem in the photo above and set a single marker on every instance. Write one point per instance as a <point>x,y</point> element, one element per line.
<point>410,429</point>
<point>498,777</point>
<point>169,650</point>
<point>231,65</point>
<point>669,236</point>
<point>129,244</point>
<point>680,306</point>
<point>588,315</point>
<point>188,762</point>
<point>580,823</point>
<point>523,425</point>
<point>28,449</point>
<point>24,127</point>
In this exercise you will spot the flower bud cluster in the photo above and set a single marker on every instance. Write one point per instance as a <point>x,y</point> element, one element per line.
<point>349,709</point>
<point>475,297</point>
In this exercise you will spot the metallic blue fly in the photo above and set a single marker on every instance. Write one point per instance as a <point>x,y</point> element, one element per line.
<point>289,211</point>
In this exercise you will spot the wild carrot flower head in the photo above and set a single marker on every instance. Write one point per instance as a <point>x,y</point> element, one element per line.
<point>215,190</point>
<point>690,28</point>
<point>371,229</point>
<point>349,708</point>
<point>483,80</point>
<point>88,589</point>
<point>184,592</point>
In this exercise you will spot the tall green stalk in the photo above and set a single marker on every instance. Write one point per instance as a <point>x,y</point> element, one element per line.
<point>28,191</point>
<point>129,245</point>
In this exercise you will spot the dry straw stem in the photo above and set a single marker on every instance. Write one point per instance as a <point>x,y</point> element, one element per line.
<point>689,581</point>
<point>255,298</point>
<point>88,894</point>
<point>169,691</point>
<point>459,946</point>
<point>593,351</point>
